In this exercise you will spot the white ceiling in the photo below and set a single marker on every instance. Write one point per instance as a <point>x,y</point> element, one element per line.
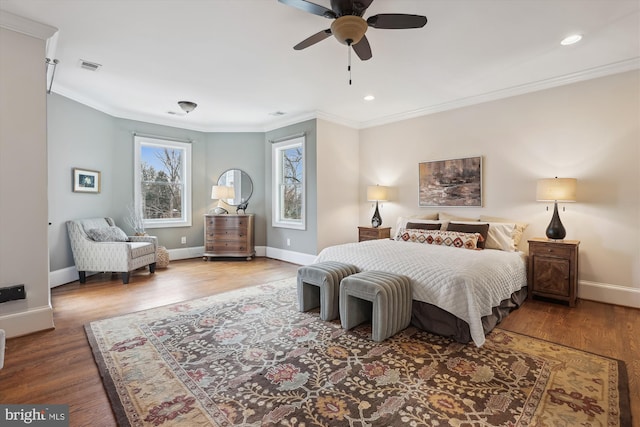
<point>235,58</point>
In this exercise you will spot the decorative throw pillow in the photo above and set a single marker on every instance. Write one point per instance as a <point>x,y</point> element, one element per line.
<point>403,220</point>
<point>107,234</point>
<point>437,237</point>
<point>424,226</point>
<point>483,229</point>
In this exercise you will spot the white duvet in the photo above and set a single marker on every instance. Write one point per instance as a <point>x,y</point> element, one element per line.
<point>466,283</point>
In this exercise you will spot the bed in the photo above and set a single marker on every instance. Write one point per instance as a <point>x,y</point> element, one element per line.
<point>457,292</point>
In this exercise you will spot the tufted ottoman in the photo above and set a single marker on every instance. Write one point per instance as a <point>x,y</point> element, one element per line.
<point>383,297</point>
<point>319,285</point>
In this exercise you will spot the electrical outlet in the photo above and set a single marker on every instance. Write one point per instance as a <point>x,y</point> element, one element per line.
<point>12,293</point>
<point>183,240</point>
<point>288,242</point>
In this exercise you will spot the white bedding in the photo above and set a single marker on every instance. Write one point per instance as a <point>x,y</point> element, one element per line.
<point>466,283</point>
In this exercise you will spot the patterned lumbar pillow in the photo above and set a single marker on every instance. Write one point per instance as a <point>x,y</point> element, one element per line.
<point>107,234</point>
<point>437,237</point>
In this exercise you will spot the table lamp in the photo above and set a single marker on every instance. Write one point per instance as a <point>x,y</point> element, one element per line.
<point>556,190</point>
<point>377,193</point>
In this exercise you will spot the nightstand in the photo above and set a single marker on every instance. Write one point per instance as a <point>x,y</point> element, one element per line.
<point>370,233</point>
<point>553,269</point>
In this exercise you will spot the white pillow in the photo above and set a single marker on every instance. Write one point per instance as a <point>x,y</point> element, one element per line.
<point>500,235</point>
<point>402,221</point>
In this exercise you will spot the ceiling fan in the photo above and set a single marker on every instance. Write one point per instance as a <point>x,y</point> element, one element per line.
<point>349,27</point>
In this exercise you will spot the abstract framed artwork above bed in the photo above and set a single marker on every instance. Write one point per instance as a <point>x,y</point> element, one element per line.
<point>453,182</point>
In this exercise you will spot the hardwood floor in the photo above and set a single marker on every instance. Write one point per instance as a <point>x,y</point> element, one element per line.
<point>57,367</point>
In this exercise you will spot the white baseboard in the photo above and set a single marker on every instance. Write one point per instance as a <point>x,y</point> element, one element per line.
<point>290,256</point>
<point>185,253</point>
<point>610,294</point>
<point>62,276</point>
<point>27,322</point>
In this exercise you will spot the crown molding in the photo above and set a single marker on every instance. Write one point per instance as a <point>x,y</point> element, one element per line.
<point>592,73</point>
<point>26,26</point>
<point>588,74</point>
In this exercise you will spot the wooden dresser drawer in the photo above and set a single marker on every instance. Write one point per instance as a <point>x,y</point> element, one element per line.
<point>228,236</point>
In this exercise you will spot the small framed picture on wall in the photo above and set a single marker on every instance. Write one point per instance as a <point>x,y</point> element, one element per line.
<point>86,181</point>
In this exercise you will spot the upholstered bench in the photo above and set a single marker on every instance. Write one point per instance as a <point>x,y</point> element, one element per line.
<point>319,285</point>
<point>384,298</point>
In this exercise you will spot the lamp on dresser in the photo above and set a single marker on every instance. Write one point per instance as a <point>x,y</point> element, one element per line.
<point>556,190</point>
<point>377,193</point>
<point>219,193</point>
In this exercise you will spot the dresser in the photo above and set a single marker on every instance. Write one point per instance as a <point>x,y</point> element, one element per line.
<point>553,269</point>
<point>229,236</point>
<point>371,233</point>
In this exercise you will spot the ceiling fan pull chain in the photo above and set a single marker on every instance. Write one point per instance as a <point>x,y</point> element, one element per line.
<point>349,66</point>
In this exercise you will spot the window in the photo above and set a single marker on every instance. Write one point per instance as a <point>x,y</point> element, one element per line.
<point>163,182</point>
<point>288,183</point>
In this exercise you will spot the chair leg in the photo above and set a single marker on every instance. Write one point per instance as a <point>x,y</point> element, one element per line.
<point>83,276</point>
<point>152,267</point>
<point>125,277</point>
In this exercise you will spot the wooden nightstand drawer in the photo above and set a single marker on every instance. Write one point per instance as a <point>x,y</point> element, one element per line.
<point>556,250</point>
<point>370,233</point>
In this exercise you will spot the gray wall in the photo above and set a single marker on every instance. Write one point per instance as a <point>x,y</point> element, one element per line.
<point>243,151</point>
<point>80,136</point>
<point>303,241</point>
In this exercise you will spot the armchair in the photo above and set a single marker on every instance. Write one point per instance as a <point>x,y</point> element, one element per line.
<point>110,249</point>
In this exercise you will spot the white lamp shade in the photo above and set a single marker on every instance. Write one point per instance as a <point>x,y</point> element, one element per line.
<point>222,192</point>
<point>377,193</point>
<point>556,190</point>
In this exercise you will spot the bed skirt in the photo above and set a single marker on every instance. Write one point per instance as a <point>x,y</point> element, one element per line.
<point>438,321</point>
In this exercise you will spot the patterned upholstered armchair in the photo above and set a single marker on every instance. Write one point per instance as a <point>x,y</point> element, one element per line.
<point>98,245</point>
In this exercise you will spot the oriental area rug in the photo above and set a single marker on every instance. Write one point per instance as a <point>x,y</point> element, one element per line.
<point>249,358</point>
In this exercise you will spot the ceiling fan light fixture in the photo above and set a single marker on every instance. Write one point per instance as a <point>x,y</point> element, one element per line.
<point>349,29</point>
<point>187,106</point>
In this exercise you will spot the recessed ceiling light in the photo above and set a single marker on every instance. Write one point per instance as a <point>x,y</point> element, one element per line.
<point>573,38</point>
<point>369,98</point>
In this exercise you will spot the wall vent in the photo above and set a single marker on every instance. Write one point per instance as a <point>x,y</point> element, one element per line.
<point>91,66</point>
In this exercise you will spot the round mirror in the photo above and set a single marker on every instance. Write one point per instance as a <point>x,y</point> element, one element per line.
<point>241,184</point>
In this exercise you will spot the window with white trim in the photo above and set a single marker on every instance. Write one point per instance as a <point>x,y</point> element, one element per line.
<point>288,165</point>
<point>162,180</point>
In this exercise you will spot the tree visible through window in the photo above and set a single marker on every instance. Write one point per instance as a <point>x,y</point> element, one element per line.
<point>288,167</point>
<point>163,179</point>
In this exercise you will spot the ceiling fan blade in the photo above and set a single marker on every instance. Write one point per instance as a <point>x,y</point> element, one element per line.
<point>307,6</point>
<point>317,37</point>
<point>396,21</point>
<point>350,7</point>
<point>363,49</point>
